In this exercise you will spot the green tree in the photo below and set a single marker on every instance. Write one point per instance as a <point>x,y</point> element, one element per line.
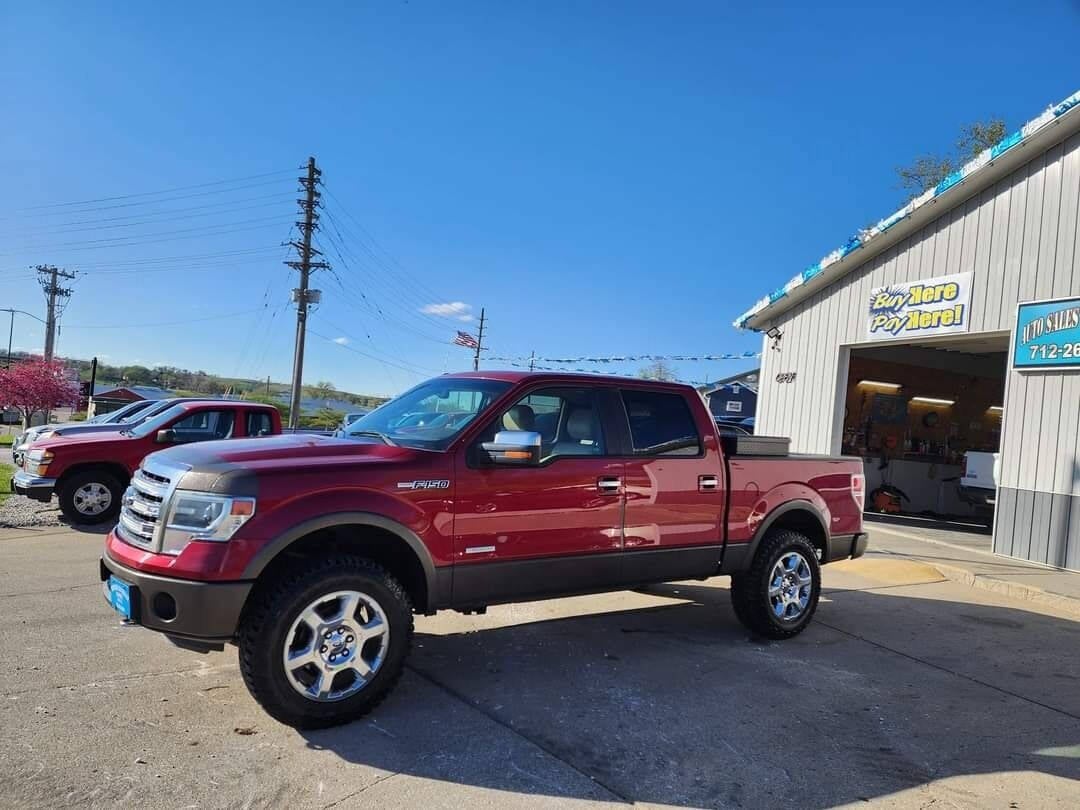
<point>323,389</point>
<point>325,418</point>
<point>926,171</point>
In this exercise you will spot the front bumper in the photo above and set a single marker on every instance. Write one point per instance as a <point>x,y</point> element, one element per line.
<point>202,611</point>
<point>40,489</point>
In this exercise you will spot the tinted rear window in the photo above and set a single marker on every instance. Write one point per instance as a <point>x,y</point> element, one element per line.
<point>661,424</point>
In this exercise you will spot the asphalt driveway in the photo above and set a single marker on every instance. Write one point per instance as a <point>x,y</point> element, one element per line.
<point>908,689</point>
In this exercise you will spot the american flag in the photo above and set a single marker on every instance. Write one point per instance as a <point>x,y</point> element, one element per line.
<point>465,339</point>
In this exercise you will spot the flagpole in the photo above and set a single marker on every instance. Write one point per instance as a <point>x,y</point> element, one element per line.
<point>479,341</point>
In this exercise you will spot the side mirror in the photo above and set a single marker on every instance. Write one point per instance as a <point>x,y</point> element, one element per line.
<point>167,436</point>
<point>519,448</point>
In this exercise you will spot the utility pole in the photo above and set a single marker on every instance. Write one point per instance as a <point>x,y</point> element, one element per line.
<point>479,342</point>
<point>532,361</point>
<point>302,295</point>
<point>54,295</point>
<point>268,385</point>
<point>90,391</point>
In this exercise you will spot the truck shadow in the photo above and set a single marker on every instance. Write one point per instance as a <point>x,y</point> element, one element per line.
<point>676,704</point>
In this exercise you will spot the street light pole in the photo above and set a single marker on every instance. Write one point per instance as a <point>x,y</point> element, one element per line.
<point>11,330</point>
<point>10,334</point>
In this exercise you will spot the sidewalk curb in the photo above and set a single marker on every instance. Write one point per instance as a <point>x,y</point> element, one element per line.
<point>1028,593</point>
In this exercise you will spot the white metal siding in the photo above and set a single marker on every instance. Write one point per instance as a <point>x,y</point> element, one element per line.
<point>1019,239</point>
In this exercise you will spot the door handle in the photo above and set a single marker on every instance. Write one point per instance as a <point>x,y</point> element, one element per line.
<point>708,483</point>
<point>608,486</point>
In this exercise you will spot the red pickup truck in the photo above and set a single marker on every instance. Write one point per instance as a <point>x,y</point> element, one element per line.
<point>313,553</point>
<point>89,471</point>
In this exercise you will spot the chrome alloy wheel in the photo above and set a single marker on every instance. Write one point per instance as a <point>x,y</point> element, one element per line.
<point>790,586</point>
<point>336,645</point>
<point>92,498</point>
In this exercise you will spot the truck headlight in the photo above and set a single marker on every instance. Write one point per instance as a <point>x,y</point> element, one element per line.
<point>201,516</point>
<point>37,461</point>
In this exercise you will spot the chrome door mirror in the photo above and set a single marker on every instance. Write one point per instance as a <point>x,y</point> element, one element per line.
<point>167,436</point>
<point>514,448</point>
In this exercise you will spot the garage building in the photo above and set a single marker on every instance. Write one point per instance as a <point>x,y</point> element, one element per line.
<point>950,327</point>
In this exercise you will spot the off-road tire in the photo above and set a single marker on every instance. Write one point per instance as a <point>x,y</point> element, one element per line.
<point>750,590</point>
<point>69,486</point>
<point>267,619</point>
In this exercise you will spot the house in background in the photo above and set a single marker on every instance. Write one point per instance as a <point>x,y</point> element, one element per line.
<point>733,399</point>
<point>108,397</point>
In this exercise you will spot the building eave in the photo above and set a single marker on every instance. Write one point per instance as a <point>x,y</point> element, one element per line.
<point>1056,123</point>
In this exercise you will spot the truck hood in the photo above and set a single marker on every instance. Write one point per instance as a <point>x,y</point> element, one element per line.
<point>234,465</point>
<point>81,440</point>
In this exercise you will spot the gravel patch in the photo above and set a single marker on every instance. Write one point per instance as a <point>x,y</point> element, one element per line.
<point>18,512</point>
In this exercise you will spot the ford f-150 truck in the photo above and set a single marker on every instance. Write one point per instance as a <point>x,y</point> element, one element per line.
<point>312,554</point>
<point>89,471</point>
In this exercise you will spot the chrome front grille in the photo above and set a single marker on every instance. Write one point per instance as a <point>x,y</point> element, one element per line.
<point>145,502</point>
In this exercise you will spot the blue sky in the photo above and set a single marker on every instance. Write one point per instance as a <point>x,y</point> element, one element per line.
<point>605,178</point>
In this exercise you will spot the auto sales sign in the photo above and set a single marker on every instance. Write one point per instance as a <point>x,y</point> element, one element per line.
<point>1047,334</point>
<point>933,306</point>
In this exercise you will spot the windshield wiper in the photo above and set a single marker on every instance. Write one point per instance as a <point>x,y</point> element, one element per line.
<point>385,439</point>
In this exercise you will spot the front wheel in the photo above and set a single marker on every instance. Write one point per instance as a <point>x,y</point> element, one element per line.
<point>777,597</point>
<point>90,497</point>
<point>323,646</point>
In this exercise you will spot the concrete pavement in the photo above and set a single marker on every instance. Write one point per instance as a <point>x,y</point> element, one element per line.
<point>908,689</point>
<point>967,558</point>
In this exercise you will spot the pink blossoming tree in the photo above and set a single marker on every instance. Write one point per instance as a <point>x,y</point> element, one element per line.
<point>36,385</point>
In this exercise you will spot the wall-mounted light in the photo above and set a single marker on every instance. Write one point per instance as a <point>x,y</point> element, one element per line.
<point>996,409</point>
<point>879,384</point>
<point>933,401</point>
<point>774,334</point>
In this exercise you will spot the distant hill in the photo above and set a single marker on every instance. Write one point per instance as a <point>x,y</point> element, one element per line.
<point>186,382</point>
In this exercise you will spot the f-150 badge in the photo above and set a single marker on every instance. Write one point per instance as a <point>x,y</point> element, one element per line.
<point>437,483</point>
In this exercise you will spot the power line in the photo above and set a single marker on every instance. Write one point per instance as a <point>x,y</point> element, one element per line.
<point>137,240</point>
<point>392,296</point>
<point>182,259</point>
<point>159,323</point>
<point>150,217</point>
<point>360,226</point>
<point>373,305</point>
<point>373,348</point>
<point>160,192</point>
<point>354,350</point>
<point>407,284</point>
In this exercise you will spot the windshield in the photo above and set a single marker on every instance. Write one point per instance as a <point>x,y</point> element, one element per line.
<point>155,423</point>
<point>429,416</point>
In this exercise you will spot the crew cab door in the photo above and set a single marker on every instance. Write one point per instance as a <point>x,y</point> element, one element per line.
<point>675,487</point>
<point>551,528</point>
<point>202,425</point>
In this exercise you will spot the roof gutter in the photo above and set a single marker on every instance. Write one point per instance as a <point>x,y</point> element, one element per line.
<point>1054,125</point>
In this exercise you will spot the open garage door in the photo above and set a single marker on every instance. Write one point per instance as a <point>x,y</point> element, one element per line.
<point>926,418</point>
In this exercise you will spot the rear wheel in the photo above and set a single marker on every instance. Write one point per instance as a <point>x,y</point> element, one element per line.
<point>325,645</point>
<point>777,597</point>
<point>90,497</point>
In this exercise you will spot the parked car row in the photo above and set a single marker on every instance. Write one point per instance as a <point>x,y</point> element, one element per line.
<point>128,414</point>
<point>88,466</point>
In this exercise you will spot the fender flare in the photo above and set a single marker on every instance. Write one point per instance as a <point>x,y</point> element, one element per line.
<point>281,543</point>
<point>770,519</point>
